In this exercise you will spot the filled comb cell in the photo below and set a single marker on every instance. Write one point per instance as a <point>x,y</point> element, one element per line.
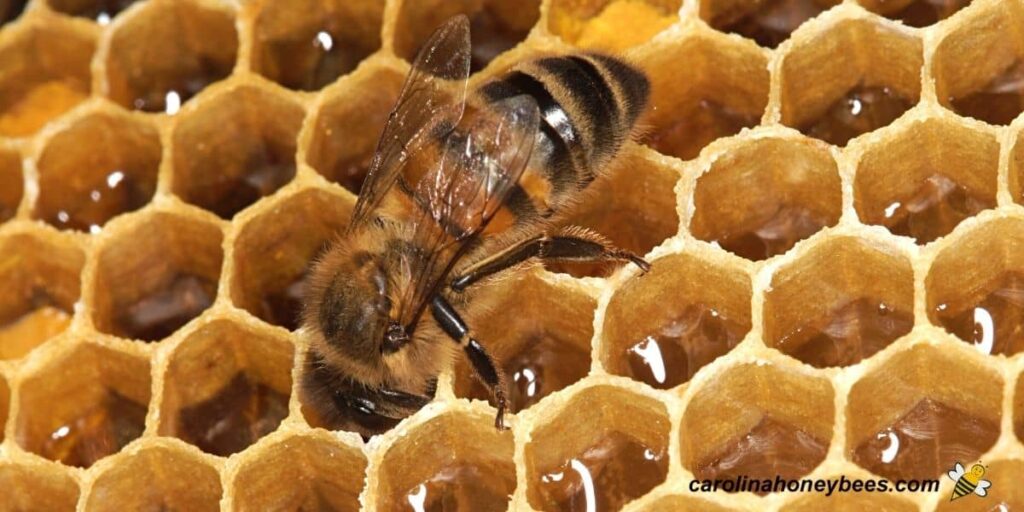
<point>544,346</point>
<point>234,148</point>
<point>496,26</point>
<point>849,502</point>
<point>927,177</point>
<point>632,204</point>
<point>39,275</point>
<point>155,275</point>
<point>922,411</point>
<point>916,13</point>
<point>101,165</point>
<point>167,51</point>
<point>838,99</point>
<point>1005,493</point>
<point>766,194</point>
<point>767,22</point>
<point>974,287</point>
<point>308,471</point>
<point>978,69</point>
<point>839,302</point>
<point>308,44</point>
<point>161,476</point>
<point>704,86</point>
<point>348,123</point>
<point>100,11</point>
<point>44,72</point>
<point>86,403</point>
<point>662,335</point>
<point>274,250</point>
<point>455,461</point>
<point>614,25</point>
<point>226,386</point>
<point>602,449</point>
<point>11,183</point>
<point>34,486</point>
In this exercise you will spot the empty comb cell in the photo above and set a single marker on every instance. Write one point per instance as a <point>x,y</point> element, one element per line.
<point>916,13</point>
<point>614,25</point>
<point>99,166</point>
<point>11,183</point>
<point>768,22</point>
<point>543,347</point>
<point>85,404</point>
<point>35,486</point>
<point>101,11</point>
<point>602,449</point>
<point>663,335</point>
<point>922,411</point>
<point>142,481</point>
<point>235,148</point>
<point>166,52</point>
<point>307,45</point>
<point>155,275</point>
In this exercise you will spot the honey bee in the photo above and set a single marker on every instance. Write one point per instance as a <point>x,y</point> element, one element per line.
<point>465,184</point>
<point>968,482</point>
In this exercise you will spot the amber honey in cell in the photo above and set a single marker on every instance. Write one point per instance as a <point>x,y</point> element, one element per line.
<point>462,486</point>
<point>117,192</point>
<point>283,306</point>
<point>688,133</point>
<point>167,95</point>
<point>21,335</point>
<point>995,325</point>
<point>239,414</point>
<point>266,169</point>
<point>771,22</point>
<point>312,59</point>
<point>605,476</point>
<point>861,110</point>
<point>926,441</point>
<point>100,431</point>
<point>922,13</point>
<point>775,232</point>
<point>102,11</point>
<point>932,210</point>
<point>25,114</point>
<point>155,316</point>
<point>850,333</point>
<point>998,102</point>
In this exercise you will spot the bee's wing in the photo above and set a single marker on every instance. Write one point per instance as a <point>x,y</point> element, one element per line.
<point>956,472</point>
<point>430,105</point>
<point>982,488</point>
<point>456,198</point>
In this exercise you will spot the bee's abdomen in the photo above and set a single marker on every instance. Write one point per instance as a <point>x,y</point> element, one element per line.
<point>588,104</point>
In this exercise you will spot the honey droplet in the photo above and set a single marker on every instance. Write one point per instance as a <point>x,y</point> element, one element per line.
<point>775,233</point>
<point>998,102</point>
<point>311,61</point>
<point>237,416</point>
<point>118,192</point>
<point>100,431</point>
<point>922,13</point>
<point>283,306</point>
<point>926,441</point>
<point>102,11</point>
<point>11,9</point>
<point>27,332</point>
<point>607,475</point>
<point>462,487</point>
<point>22,116</point>
<point>770,22</point>
<point>859,111</point>
<point>168,95</point>
<point>771,449</point>
<point>850,333</point>
<point>164,311</point>
<point>698,127</point>
<point>996,324</point>
<point>693,339</point>
<point>933,210</point>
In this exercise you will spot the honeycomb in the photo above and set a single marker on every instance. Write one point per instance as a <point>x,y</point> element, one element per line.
<point>830,194</point>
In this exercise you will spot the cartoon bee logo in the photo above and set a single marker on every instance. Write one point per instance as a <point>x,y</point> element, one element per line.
<point>968,482</point>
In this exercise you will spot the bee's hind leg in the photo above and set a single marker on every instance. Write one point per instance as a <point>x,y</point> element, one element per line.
<point>569,244</point>
<point>453,325</point>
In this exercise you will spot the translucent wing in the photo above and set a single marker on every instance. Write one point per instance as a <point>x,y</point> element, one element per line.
<point>956,473</point>
<point>430,105</point>
<point>982,488</point>
<point>456,198</point>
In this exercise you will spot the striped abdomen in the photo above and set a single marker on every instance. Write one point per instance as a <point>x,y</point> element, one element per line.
<point>588,104</point>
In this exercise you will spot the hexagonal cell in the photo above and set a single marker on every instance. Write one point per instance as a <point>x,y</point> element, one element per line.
<point>456,461</point>
<point>36,487</point>
<point>979,71</point>
<point>604,448</point>
<point>543,347</point>
<point>768,22</point>
<point>614,25</point>
<point>974,285</point>
<point>758,420</point>
<point>226,386</point>
<point>44,72</point>
<point>101,166</point>
<point>273,252</point>
<point>662,335</point>
<point>85,404</point>
<point>765,195</point>
<point>849,502</point>
<point>496,26</point>
<point>11,183</point>
<point>722,89</point>
<point>922,181</point>
<point>349,122</point>
<point>167,52</point>
<point>11,9</point>
<point>839,303</point>
<point>836,100</point>
<point>632,204</point>
<point>237,147</point>
<point>141,481</point>
<point>921,412</point>
<point>155,276</point>
<point>309,44</point>
<point>1005,493</point>
<point>101,11</point>
<point>916,13</point>
<point>40,278</point>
